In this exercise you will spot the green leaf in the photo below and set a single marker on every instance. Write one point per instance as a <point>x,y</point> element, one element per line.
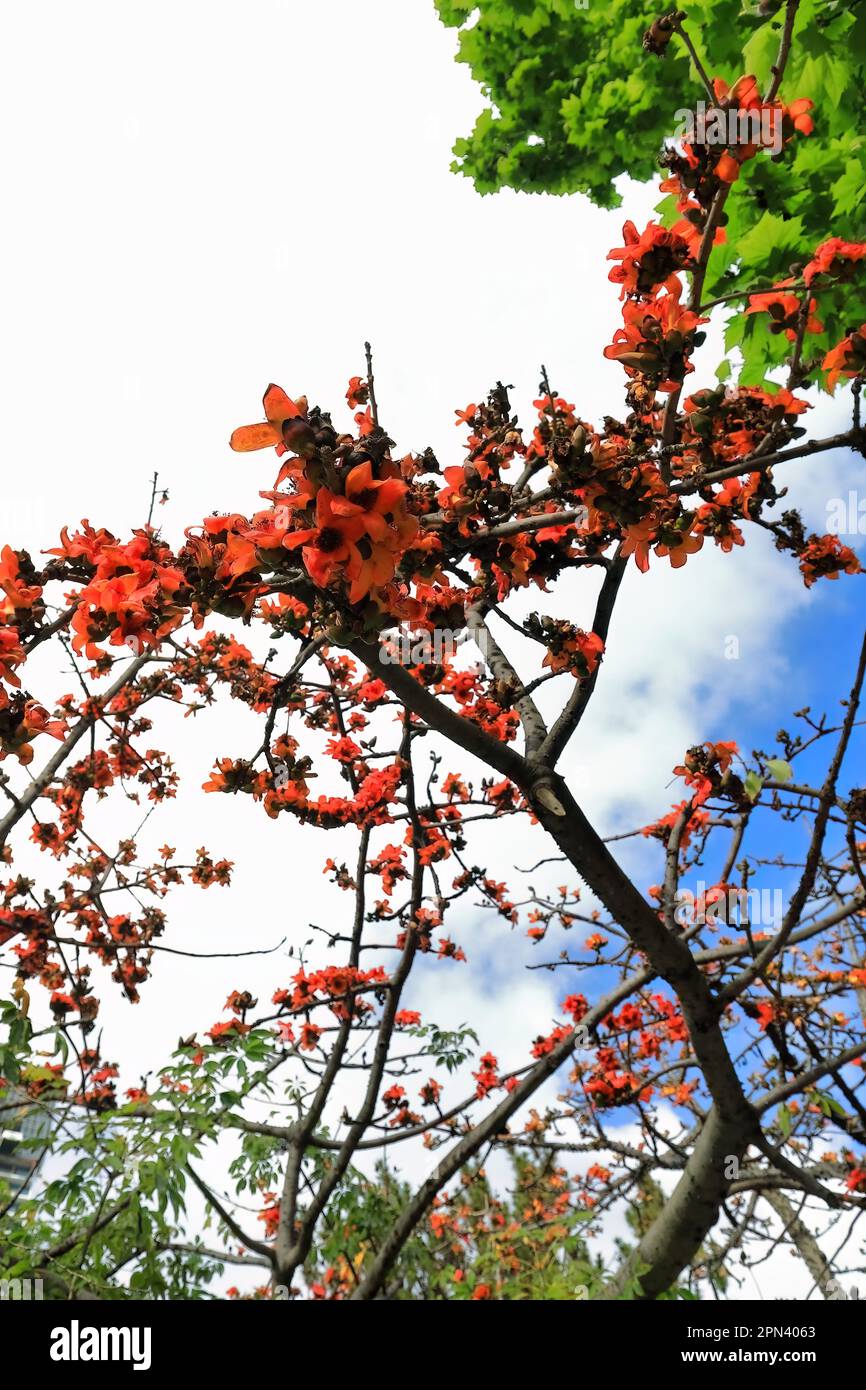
<point>759,53</point>
<point>779,770</point>
<point>753,785</point>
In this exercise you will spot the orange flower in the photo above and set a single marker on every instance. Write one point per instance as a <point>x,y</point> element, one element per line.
<point>847,358</point>
<point>728,167</point>
<point>825,557</point>
<point>649,261</point>
<point>656,340</point>
<point>361,532</point>
<point>724,753</point>
<point>679,543</point>
<point>371,572</point>
<point>15,596</point>
<point>453,497</point>
<point>744,94</point>
<point>769,123</point>
<point>285,607</point>
<point>87,544</point>
<point>276,430</point>
<point>834,257</point>
<point>370,500</point>
<point>124,606</point>
<point>21,721</point>
<point>358,392</point>
<point>797,114</point>
<point>329,544</point>
<point>574,650</point>
<point>310,1035</point>
<point>12,654</point>
<point>784,311</point>
<point>637,542</point>
<point>364,421</point>
<point>240,555</point>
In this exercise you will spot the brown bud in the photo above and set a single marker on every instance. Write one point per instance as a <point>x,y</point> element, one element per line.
<point>299,437</point>
<point>660,32</point>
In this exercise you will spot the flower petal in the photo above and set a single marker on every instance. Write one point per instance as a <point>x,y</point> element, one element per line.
<point>279,406</point>
<point>249,437</point>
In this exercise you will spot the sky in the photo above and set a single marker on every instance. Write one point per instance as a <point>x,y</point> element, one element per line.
<point>210,197</point>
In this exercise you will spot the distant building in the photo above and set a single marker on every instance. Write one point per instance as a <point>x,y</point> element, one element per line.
<point>19,1159</point>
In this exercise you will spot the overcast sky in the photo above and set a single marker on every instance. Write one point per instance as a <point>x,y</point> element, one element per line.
<point>204,198</point>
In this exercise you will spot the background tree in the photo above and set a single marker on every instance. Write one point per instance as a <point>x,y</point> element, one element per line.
<point>574,102</point>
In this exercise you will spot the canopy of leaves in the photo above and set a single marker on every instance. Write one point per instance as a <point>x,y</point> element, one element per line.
<point>574,102</point>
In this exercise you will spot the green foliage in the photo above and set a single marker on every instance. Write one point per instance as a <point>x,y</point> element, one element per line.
<point>135,1161</point>
<point>574,102</point>
<point>506,1247</point>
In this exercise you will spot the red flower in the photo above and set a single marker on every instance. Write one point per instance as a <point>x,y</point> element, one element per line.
<point>276,430</point>
<point>649,261</point>
<point>310,1035</point>
<point>15,596</point>
<point>271,1214</point>
<point>330,544</point>
<point>430,1092</point>
<point>656,340</point>
<point>825,557</point>
<point>834,257</point>
<point>343,749</point>
<point>856,1179</point>
<point>407,1018</point>
<point>372,500</point>
<point>766,1015</point>
<point>784,311</point>
<point>847,358</point>
<point>358,392</point>
<point>798,115</point>
<point>12,654</point>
